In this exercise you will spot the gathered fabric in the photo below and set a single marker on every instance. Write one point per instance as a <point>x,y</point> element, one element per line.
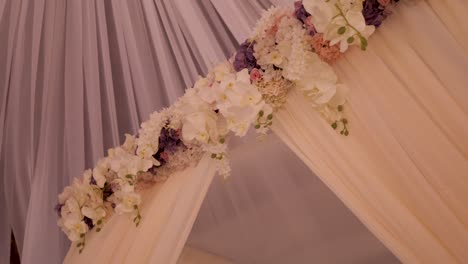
<point>403,168</point>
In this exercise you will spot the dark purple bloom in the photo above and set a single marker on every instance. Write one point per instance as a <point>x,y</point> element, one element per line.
<point>107,191</point>
<point>374,13</point>
<point>88,222</point>
<point>245,57</point>
<point>58,209</point>
<point>169,143</point>
<point>300,12</point>
<point>169,140</point>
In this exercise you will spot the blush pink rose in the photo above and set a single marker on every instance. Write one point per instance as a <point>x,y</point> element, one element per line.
<point>164,156</point>
<point>255,74</point>
<point>308,21</point>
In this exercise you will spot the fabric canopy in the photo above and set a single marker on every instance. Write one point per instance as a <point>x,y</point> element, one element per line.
<point>64,101</point>
<point>78,75</point>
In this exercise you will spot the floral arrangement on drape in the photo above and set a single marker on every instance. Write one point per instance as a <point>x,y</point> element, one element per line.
<point>290,48</point>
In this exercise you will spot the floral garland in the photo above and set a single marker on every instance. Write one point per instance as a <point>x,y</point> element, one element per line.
<point>289,49</point>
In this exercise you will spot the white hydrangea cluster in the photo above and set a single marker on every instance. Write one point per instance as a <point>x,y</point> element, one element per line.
<point>269,18</point>
<point>284,50</point>
<point>293,43</point>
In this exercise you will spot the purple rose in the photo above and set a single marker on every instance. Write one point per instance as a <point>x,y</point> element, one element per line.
<point>374,13</point>
<point>245,58</point>
<point>300,12</point>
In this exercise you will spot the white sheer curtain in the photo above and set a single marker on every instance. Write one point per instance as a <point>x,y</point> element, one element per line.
<point>76,75</point>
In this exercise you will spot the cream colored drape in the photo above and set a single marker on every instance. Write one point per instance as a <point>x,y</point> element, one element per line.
<point>168,212</point>
<point>404,169</point>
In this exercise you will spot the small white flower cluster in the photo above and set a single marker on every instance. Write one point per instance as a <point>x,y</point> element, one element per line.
<point>283,45</point>
<point>340,21</point>
<point>285,49</point>
<point>293,43</point>
<point>83,205</point>
<point>268,20</point>
<point>222,102</point>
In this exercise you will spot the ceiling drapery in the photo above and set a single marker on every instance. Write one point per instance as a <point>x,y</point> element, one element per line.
<point>76,75</point>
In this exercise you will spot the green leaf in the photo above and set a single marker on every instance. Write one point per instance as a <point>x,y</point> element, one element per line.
<point>260,113</point>
<point>334,125</point>
<point>222,140</point>
<point>82,235</point>
<point>257,126</point>
<point>340,108</point>
<point>128,176</point>
<point>213,155</point>
<point>350,40</point>
<point>363,42</point>
<point>78,245</point>
<point>341,30</point>
<point>99,221</point>
<point>270,116</point>
<point>98,229</point>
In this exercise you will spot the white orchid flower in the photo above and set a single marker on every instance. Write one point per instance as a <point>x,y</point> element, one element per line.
<point>322,13</point>
<point>94,214</point>
<point>223,70</point>
<point>318,81</point>
<point>100,171</point>
<point>127,202</point>
<point>73,227</point>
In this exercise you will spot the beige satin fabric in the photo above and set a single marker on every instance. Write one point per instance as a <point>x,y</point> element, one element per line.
<point>192,255</point>
<point>168,212</point>
<point>404,168</point>
<point>452,13</point>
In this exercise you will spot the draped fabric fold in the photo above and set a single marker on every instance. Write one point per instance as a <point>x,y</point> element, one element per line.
<point>168,211</point>
<point>403,169</point>
<point>75,76</point>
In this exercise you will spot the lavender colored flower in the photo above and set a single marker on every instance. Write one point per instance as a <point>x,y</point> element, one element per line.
<point>169,140</point>
<point>300,12</point>
<point>374,13</point>
<point>245,57</point>
<point>169,143</point>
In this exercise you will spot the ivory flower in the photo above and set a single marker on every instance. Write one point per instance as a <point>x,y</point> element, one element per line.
<point>94,214</point>
<point>100,171</point>
<point>222,70</point>
<point>318,82</point>
<point>73,227</point>
<point>127,202</point>
<point>200,126</point>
